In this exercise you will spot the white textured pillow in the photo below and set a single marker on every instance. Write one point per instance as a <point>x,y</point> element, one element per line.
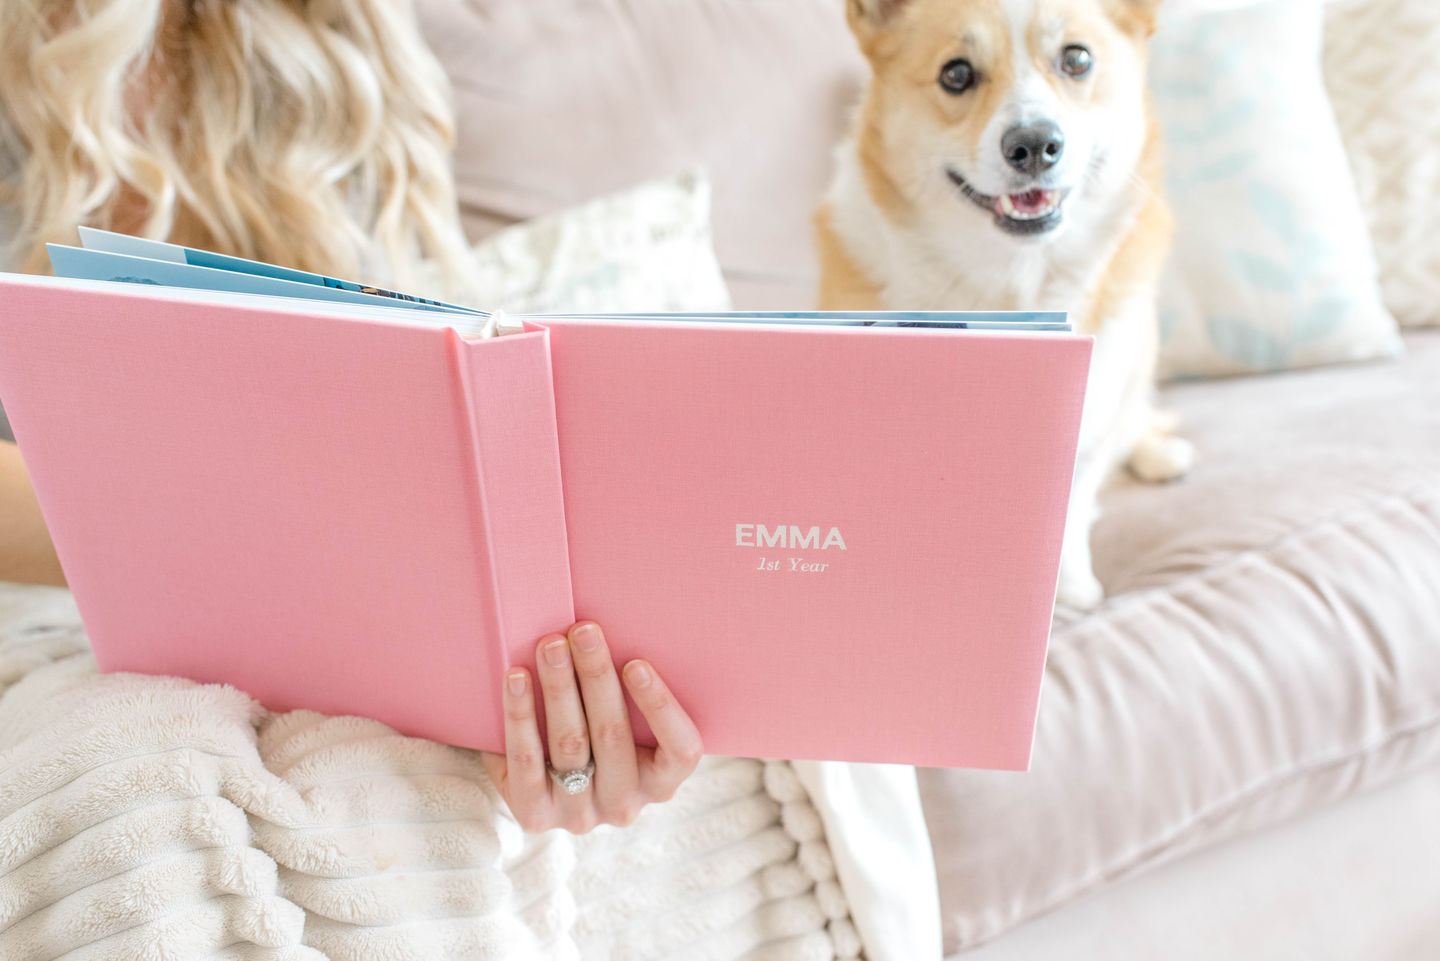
<point>1273,267</point>
<point>1384,78</point>
<point>647,248</point>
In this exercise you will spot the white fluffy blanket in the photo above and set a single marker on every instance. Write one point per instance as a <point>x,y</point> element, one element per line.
<point>156,818</point>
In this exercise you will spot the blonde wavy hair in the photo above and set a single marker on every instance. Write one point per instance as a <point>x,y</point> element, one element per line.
<point>310,133</point>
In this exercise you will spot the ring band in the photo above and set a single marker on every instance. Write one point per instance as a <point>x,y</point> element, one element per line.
<point>576,781</point>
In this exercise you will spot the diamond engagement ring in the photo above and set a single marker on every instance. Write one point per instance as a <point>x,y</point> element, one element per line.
<point>574,781</point>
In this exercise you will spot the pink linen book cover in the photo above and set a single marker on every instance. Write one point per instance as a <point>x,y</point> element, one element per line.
<point>365,517</point>
<point>835,543</point>
<point>329,512</point>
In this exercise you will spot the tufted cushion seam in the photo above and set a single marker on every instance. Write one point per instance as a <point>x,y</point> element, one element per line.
<point>1422,495</point>
<point>1157,851</point>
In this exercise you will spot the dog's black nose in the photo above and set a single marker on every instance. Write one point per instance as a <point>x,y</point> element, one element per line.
<point>1033,149</point>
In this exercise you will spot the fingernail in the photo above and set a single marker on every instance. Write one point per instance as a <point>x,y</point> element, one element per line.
<point>516,682</point>
<point>586,636</point>
<point>639,673</point>
<point>556,653</point>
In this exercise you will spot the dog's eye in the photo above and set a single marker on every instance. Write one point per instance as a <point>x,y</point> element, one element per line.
<point>1076,61</point>
<point>957,76</point>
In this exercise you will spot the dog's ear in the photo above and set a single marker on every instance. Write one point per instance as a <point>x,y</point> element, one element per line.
<point>1136,16</point>
<point>869,16</point>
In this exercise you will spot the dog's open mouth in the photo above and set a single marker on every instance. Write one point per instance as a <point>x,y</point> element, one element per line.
<point>1032,212</point>
<point>1031,205</point>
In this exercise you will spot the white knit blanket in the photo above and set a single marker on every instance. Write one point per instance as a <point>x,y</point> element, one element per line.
<point>156,818</point>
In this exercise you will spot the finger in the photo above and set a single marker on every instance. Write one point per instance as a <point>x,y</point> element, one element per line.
<point>495,767</point>
<point>679,748</point>
<point>565,729</point>
<point>526,785</point>
<point>616,773</point>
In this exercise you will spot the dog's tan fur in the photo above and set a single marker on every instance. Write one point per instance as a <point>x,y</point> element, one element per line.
<point>893,233</point>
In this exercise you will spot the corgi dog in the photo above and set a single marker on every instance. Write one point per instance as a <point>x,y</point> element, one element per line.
<point>1005,158</point>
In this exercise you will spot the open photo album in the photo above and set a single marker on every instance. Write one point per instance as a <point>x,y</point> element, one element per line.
<point>836,536</point>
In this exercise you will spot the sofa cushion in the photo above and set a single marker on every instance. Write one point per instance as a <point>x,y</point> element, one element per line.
<point>1271,644</point>
<point>558,101</point>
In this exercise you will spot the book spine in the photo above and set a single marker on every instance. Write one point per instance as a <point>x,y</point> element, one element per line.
<point>507,397</point>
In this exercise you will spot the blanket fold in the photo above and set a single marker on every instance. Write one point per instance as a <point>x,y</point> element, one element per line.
<point>145,817</point>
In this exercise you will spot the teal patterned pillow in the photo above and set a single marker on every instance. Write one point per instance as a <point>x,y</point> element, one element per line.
<point>1273,266</point>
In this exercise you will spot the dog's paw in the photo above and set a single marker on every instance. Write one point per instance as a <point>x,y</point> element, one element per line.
<point>1079,590</point>
<point>1158,459</point>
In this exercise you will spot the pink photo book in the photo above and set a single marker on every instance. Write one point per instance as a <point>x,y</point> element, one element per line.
<point>833,542</point>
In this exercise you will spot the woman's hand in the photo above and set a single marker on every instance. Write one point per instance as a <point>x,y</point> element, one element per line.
<point>590,717</point>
